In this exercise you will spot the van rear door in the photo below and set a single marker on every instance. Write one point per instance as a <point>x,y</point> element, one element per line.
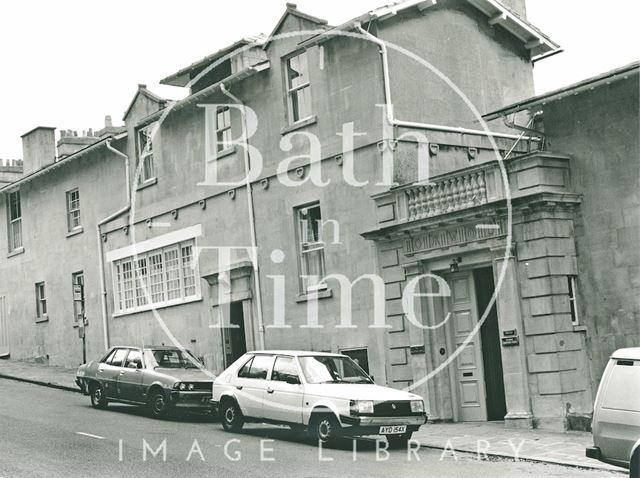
<point>617,419</point>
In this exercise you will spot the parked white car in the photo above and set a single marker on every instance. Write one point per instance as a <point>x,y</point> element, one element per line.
<point>326,394</point>
<point>616,413</point>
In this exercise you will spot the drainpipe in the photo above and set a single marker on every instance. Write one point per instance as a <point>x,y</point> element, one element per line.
<point>103,287</point>
<point>410,124</point>
<point>252,222</point>
<point>385,70</point>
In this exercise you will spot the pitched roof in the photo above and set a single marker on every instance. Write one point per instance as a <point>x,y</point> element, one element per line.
<point>533,39</point>
<point>292,9</point>
<point>182,77</point>
<point>575,88</point>
<point>61,162</point>
<point>142,90</point>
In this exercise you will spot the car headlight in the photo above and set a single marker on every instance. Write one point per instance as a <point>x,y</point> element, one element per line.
<point>417,406</point>
<point>361,407</point>
<point>183,386</point>
<point>191,386</point>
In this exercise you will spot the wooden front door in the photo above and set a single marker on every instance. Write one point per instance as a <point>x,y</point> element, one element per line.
<point>468,366</point>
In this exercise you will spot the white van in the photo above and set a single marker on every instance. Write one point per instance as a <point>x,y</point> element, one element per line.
<point>616,413</point>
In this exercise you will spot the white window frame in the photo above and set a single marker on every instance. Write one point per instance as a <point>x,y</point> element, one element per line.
<point>222,130</point>
<point>41,301</point>
<point>291,90</point>
<point>142,282</point>
<point>14,223</point>
<point>145,138</point>
<point>306,246</point>
<point>572,283</point>
<point>73,211</point>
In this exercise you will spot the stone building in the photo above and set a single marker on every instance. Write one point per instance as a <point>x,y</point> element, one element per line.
<point>157,271</point>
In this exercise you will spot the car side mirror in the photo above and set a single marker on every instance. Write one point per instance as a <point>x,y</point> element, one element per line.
<point>292,380</point>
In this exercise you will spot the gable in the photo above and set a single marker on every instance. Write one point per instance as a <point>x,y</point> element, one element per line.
<point>293,20</point>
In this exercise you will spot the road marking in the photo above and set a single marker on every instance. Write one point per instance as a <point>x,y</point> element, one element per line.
<point>90,435</point>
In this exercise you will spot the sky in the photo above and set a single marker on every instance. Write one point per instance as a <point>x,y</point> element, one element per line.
<point>69,63</point>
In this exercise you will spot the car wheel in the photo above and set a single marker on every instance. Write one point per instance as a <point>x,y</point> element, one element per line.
<point>634,466</point>
<point>324,428</point>
<point>98,398</point>
<point>399,441</point>
<point>158,405</point>
<point>231,416</point>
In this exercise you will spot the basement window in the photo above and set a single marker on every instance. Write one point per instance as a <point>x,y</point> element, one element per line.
<point>41,302</point>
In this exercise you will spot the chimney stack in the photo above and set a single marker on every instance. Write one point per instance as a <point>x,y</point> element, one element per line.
<point>38,148</point>
<point>107,121</point>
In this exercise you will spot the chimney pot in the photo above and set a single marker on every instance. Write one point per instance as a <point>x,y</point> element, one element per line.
<point>107,121</point>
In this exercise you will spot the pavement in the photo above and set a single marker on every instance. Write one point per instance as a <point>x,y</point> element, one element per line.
<point>485,441</point>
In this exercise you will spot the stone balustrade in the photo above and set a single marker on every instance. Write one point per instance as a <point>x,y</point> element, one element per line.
<point>532,174</point>
<point>447,195</point>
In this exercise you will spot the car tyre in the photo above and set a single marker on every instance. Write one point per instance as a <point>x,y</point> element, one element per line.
<point>399,441</point>
<point>231,416</point>
<point>98,397</point>
<point>324,428</point>
<point>158,405</point>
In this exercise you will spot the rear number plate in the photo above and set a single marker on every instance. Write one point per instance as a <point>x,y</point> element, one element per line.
<point>393,430</point>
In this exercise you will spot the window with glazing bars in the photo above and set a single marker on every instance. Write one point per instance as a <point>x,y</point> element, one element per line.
<point>73,210</point>
<point>160,277</point>
<point>14,215</point>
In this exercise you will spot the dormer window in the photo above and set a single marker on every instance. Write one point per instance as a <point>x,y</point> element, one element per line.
<point>145,152</point>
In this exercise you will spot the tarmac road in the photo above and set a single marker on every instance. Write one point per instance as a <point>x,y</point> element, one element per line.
<point>49,433</point>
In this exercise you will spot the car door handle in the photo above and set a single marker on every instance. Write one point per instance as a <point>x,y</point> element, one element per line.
<point>269,390</point>
<point>239,387</point>
<point>122,372</point>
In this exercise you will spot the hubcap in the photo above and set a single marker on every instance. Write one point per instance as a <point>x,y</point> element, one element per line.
<point>97,395</point>
<point>229,414</point>
<point>158,404</point>
<point>324,429</point>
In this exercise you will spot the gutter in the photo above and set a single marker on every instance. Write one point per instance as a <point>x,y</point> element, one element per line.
<point>103,286</point>
<point>252,222</point>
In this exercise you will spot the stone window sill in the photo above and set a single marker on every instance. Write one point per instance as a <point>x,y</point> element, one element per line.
<point>225,152</point>
<point>579,328</point>
<point>147,183</point>
<point>78,230</point>
<point>44,318</point>
<point>15,252</point>
<point>148,308</point>
<point>299,124</point>
<point>318,294</point>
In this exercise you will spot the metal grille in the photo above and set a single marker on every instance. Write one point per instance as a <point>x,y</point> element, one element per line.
<point>392,409</point>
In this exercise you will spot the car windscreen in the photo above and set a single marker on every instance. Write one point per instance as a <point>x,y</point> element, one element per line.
<point>164,358</point>
<point>329,369</point>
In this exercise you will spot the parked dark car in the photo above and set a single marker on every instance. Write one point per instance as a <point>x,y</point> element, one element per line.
<point>161,378</point>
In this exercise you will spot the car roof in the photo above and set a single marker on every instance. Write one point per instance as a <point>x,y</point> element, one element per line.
<point>631,353</point>
<point>146,347</point>
<point>295,353</point>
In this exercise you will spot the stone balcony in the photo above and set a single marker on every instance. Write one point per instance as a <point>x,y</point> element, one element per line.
<point>537,174</point>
